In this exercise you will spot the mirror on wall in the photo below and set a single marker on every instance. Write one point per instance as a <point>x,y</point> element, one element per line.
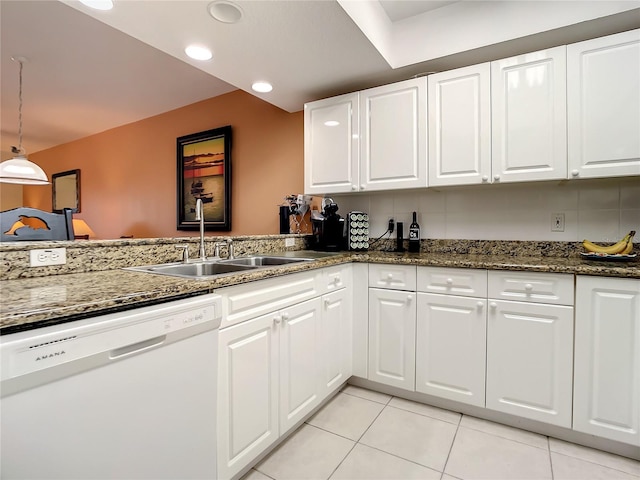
<point>66,191</point>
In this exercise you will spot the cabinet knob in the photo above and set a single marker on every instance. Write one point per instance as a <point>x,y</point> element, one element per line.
<point>409,298</point>
<point>337,279</point>
<point>362,187</point>
<point>496,177</point>
<point>493,305</point>
<point>285,316</point>
<point>449,281</point>
<point>485,178</point>
<point>277,320</point>
<point>327,303</point>
<point>390,277</point>
<point>575,173</point>
<point>354,187</point>
<point>480,305</point>
<point>528,287</point>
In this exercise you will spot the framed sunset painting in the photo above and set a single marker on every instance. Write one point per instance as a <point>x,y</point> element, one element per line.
<point>204,172</point>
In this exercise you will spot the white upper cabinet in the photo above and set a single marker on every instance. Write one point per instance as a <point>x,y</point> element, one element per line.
<point>529,117</point>
<point>603,80</point>
<point>393,136</point>
<point>331,145</point>
<point>459,105</point>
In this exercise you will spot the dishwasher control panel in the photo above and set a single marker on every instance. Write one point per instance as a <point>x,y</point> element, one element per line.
<point>115,335</point>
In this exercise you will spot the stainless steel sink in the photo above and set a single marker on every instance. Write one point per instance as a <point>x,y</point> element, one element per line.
<point>264,261</point>
<point>202,270</point>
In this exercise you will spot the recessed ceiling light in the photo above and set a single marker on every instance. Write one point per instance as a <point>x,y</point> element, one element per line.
<point>262,87</point>
<point>98,4</point>
<point>225,11</point>
<point>198,52</point>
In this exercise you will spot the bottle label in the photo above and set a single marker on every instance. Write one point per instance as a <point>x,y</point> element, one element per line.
<point>414,234</point>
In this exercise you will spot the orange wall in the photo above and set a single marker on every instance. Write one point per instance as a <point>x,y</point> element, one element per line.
<point>128,174</point>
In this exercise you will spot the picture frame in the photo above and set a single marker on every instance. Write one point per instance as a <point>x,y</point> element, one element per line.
<point>65,191</point>
<point>204,172</point>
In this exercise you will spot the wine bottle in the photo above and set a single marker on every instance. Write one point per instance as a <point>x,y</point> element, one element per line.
<point>414,235</point>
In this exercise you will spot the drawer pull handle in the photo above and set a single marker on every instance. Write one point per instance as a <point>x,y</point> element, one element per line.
<point>449,281</point>
<point>528,287</point>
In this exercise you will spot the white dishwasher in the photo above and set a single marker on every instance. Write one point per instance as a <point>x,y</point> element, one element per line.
<point>129,395</point>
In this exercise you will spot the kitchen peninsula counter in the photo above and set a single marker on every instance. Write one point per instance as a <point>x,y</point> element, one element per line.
<point>30,303</point>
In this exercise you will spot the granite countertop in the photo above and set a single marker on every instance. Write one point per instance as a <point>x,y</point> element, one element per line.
<point>31,303</point>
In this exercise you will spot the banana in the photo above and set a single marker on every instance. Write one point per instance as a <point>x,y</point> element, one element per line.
<point>617,248</point>
<point>629,248</point>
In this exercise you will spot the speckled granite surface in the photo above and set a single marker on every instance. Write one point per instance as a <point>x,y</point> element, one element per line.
<point>98,255</point>
<point>35,302</point>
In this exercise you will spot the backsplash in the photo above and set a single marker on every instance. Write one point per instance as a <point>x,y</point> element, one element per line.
<point>97,255</point>
<point>601,210</point>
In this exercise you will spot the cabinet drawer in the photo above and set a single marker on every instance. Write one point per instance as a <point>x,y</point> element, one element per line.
<point>394,277</point>
<point>553,288</point>
<point>453,281</point>
<point>243,302</point>
<point>335,278</point>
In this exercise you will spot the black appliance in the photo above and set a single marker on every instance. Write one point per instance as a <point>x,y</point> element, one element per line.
<point>328,228</point>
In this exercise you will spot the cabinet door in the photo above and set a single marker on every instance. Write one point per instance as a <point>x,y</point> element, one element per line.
<point>392,337</point>
<point>603,78</point>
<point>335,340</point>
<point>460,126</point>
<point>529,360</point>
<point>529,117</point>
<point>607,369</point>
<point>299,362</point>
<point>451,347</point>
<point>331,150</point>
<point>247,393</point>
<point>393,136</point>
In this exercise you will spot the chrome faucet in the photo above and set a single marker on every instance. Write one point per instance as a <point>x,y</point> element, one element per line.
<point>200,217</point>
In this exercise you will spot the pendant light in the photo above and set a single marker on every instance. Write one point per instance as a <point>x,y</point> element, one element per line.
<point>19,169</point>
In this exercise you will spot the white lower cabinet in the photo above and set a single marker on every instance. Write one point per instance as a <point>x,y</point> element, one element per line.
<point>451,347</point>
<point>607,358</point>
<point>300,369</point>
<point>392,337</point>
<point>335,340</point>
<point>530,360</point>
<point>276,368</point>
<point>248,389</point>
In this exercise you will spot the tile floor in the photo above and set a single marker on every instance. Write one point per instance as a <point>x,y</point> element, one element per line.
<point>361,434</point>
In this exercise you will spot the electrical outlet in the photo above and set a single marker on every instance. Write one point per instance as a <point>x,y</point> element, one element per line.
<point>49,256</point>
<point>557,222</point>
<point>289,242</point>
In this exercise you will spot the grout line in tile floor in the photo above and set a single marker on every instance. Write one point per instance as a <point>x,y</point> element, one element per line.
<point>471,426</point>
<point>444,467</point>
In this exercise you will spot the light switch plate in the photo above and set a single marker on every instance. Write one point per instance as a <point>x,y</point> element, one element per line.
<point>557,222</point>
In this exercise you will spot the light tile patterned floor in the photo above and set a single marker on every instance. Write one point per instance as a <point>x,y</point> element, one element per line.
<point>366,435</point>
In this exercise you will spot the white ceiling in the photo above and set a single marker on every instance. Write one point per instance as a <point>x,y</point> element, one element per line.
<point>89,71</point>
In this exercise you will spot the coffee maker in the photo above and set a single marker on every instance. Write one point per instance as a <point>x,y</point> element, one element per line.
<point>328,227</point>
